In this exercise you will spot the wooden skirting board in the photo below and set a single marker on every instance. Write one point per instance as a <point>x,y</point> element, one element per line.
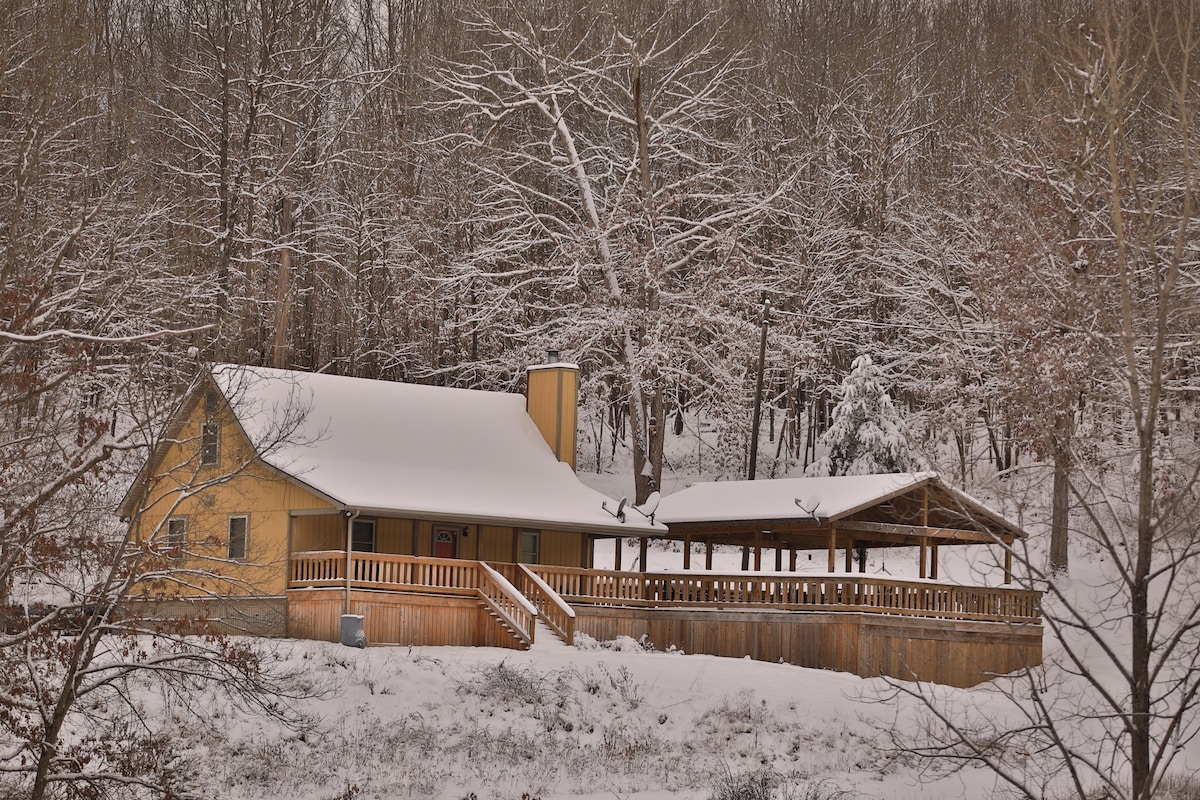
<point>870,645</point>
<point>397,618</point>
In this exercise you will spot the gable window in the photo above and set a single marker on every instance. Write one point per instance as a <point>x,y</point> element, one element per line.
<point>176,534</point>
<point>530,541</point>
<point>362,536</point>
<point>238,527</point>
<point>209,432</point>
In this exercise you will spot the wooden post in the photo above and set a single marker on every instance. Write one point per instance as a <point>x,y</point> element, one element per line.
<point>933,561</point>
<point>849,555</point>
<point>758,551</point>
<point>617,542</point>
<point>778,558</point>
<point>708,547</point>
<point>642,552</point>
<point>687,551</point>
<point>832,547</point>
<point>925,524</point>
<point>1008,564</point>
<point>792,558</point>
<point>350,517</point>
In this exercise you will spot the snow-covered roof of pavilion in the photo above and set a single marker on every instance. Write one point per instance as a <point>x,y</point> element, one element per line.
<point>873,499</point>
<point>408,449</point>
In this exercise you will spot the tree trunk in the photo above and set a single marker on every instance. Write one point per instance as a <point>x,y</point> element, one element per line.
<point>1060,499</point>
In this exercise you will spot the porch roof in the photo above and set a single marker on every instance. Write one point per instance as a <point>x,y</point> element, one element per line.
<point>414,450</point>
<point>893,509</point>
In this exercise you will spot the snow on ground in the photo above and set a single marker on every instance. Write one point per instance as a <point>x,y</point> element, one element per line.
<point>558,722</point>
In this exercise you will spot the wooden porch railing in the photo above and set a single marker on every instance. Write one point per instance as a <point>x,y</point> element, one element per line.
<point>417,574</point>
<point>792,592</point>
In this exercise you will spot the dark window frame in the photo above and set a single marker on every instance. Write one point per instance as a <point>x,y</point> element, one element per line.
<point>232,552</point>
<point>536,535</point>
<point>356,541</point>
<point>176,539</point>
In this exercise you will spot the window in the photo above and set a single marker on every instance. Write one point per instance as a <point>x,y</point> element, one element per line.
<point>362,536</point>
<point>176,534</point>
<point>529,547</point>
<point>209,432</point>
<point>237,537</point>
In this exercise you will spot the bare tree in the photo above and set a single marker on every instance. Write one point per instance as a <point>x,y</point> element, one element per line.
<point>1116,706</point>
<point>616,212</point>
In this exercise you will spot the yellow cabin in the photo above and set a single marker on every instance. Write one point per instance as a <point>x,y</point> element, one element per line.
<point>265,472</point>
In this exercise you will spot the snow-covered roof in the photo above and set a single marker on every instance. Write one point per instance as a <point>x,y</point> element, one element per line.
<point>821,500</point>
<point>426,451</point>
<point>728,501</point>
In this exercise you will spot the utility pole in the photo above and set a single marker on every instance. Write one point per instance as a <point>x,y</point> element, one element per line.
<point>762,360</point>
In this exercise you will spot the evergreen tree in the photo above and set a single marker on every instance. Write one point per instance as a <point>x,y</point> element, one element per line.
<point>867,435</point>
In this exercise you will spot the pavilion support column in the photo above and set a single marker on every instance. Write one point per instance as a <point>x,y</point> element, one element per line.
<point>642,552</point>
<point>925,538</point>
<point>758,551</point>
<point>849,555</point>
<point>792,558</point>
<point>832,548</point>
<point>687,551</point>
<point>708,547</point>
<point>617,543</point>
<point>1008,564</point>
<point>933,561</point>
<point>778,558</point>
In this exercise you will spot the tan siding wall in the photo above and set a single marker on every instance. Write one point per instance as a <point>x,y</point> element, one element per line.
<point>394,536</point>
<point>495,543</point>
<point>561,549</point>
<point>423,531</point>
<point>324,532</point>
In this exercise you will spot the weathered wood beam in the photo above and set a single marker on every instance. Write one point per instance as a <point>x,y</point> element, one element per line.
<point>914,533</point>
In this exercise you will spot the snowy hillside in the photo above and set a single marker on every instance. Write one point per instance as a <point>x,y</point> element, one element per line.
<point>559,722</point>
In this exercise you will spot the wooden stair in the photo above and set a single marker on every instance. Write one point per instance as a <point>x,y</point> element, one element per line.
<point>517,637</point>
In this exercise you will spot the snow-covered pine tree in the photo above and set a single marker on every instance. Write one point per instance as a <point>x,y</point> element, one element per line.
<point>867,435</point>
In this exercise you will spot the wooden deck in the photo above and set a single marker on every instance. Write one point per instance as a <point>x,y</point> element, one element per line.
<point>938,632</point>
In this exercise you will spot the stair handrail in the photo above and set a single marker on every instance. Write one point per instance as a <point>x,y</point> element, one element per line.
<point>506,601</point>
<point>555,612</point>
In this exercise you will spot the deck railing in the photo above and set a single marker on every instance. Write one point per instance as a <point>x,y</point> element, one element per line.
<point>552,590</point>
<point>417,574</point>
<point>792,592</point>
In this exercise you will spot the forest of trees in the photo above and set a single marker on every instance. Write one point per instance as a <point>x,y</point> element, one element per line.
<point>441,191</point>
<point>994,199</point>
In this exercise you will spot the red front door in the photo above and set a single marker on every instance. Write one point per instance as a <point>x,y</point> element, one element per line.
<point>445,541</point>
